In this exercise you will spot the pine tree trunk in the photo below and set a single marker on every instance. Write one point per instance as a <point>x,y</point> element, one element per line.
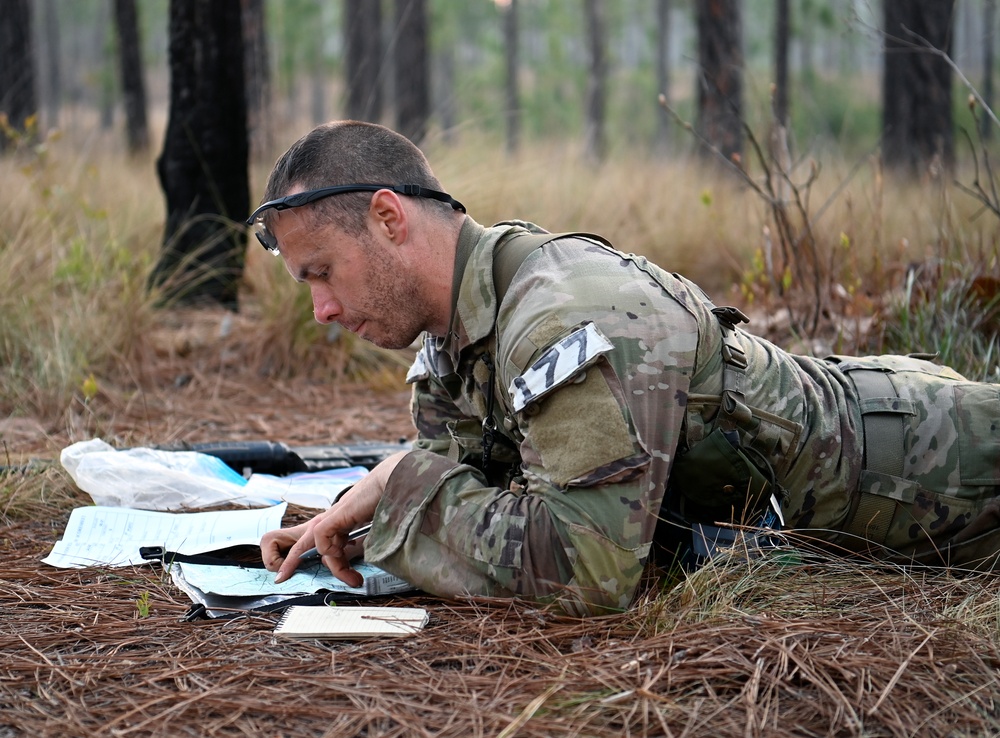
<point>989,43</point>
<point>512,90</point>
<point>663,73</point>
<point>50,65</point>
<point>595,136</point>
<point>411,62</point>
<point>916,88</point>
<point>782,31</point>
<point>720,83</point>
<point>203,167</point>
<point>133,86</point>
<point>18,97</point>
<point>258,78</point>
<point>363,59</point>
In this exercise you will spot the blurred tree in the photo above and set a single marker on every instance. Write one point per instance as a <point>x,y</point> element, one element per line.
<point>989,42</point>
<point>662,62</point>
<point>49,64</point>
<point>258,77</point>
<point>444,100</point>
<point>363,59</point>
<point>782,31</point>
<point>595,130</point>
<point>720,75</point>
<point>133,86</point>
<point>107,66</point>
<point>916,85</point>
<point>18,98</point>
<point>203,167</point>
<point>412,80</point>
<point>318,61</point>
<point>512,90</point>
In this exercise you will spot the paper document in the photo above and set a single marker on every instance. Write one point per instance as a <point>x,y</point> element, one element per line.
<point>222,589</point>
<point>112,536</point>
<point>349,622</point>
<point>237,581</point>
<point>308,489</point>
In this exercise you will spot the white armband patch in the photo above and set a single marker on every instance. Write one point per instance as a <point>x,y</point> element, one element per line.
<point>560,362</point>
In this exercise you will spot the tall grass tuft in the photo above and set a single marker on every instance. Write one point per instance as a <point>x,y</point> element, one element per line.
<point>951,310</point>
<point>76,234</point>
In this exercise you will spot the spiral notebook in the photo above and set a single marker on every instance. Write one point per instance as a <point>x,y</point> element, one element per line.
<point>323,621</point>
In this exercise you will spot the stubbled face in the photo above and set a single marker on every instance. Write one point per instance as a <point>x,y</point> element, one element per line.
<point>359,282</point>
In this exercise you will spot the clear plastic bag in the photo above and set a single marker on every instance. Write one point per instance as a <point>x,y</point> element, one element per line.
<point>152,479</point>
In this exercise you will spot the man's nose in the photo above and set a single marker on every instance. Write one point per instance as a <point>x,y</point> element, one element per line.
<point>325,308</point>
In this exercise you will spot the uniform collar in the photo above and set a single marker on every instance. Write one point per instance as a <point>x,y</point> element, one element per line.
<point>474,307</point>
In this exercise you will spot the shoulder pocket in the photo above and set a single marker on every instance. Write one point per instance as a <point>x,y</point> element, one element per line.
<point>979,433</point>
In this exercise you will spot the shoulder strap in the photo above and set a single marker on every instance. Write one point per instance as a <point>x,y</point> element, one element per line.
<point>513,249</point>
<point>510,253</point>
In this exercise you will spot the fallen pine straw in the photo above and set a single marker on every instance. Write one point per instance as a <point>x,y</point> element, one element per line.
<point>781,646</point>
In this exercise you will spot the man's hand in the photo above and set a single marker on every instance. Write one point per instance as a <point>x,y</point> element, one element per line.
<point>281,550</point>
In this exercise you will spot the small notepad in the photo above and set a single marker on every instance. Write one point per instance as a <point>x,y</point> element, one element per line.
<point>323,621</point>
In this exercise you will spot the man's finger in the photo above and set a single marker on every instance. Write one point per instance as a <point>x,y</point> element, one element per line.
<point>293,558</point>
<point>339,567</point>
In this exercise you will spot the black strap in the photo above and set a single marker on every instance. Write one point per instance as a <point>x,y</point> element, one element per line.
<point>158,553</point>
<point>733,408</point>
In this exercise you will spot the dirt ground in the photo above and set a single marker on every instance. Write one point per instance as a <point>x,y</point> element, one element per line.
<point>831,651</point>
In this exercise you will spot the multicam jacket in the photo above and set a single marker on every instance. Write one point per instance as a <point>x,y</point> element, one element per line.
<point>604,367</point>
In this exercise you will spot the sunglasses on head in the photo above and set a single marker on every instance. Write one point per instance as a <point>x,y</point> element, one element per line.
<point>269,242</point>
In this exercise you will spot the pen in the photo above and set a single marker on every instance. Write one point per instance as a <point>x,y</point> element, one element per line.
<point>354,535</point>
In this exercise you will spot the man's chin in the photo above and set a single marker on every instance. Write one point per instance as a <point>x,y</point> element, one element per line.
<point>392,343</point>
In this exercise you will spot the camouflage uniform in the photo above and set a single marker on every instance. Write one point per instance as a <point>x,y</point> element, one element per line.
<point>607,367</point>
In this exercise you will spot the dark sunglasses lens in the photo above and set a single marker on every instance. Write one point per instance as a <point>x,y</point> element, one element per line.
<point>266,238</point>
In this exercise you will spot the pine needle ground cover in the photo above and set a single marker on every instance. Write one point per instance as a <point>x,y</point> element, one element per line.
<point>796,643</point>
<point>771,648</point>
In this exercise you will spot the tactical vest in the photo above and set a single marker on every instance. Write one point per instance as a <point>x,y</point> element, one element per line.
<point>716,481</point>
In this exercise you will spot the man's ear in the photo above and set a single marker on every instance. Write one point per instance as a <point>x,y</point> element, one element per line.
<point>388,216</point>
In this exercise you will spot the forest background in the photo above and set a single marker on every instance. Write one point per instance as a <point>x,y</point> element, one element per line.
<point>834,231</point>
<point>578,116</point>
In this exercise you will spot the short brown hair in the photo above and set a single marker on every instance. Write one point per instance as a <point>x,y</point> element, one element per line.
<point>348,152</point>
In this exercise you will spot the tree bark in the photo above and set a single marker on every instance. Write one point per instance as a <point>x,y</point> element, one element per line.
<point>595,136</point>
<point>363,59</point>
<point>18,97</point>
<point>411,62</point>
<point>916,87</point>
<point>203,167</point>
<point>133,86</point>
<point>720,83</point>
<point>512,88</point>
